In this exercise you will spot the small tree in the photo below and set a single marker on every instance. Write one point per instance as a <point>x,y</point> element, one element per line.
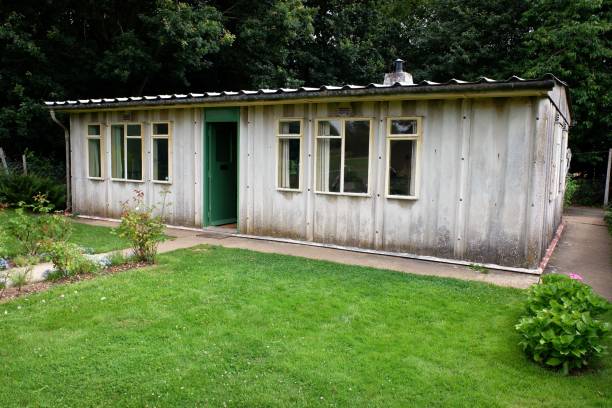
<point>141,227</point>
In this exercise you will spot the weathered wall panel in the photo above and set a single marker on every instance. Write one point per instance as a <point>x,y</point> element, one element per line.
<point>486,171</point>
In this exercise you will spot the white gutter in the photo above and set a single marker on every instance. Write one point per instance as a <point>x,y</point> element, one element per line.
<point>67,143</point>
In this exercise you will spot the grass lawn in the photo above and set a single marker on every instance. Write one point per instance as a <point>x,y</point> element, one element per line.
<point>99,239</point>
<point>211,326</point>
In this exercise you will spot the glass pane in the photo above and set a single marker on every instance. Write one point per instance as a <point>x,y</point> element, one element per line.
<point>289,163</point>
<point>94,158</point>
<point>160,159</point>
<point>93,130</point>
<point>117,152</point>
<point>289,127</point>
<point>403,127</point>
<point>134,159</point>
<point>329,128</point>
<point>160,128</point>
<point>402,165</point>
<point>356,154</point>
<point>133,130</point>
<point>328,164</point>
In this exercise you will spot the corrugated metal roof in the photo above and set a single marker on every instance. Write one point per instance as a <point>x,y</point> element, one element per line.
<point>453,85</point>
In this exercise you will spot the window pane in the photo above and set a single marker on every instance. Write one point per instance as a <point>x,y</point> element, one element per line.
<point>117,152</point>
<point>94,158</point>
<point>160,128</point>
<point>160,159</point>
<point>356,154</point>
<point>402,162</point>
<point>328,164</point>
<point>133,130</point>
<point>289,163</point>
<point>93,130</point>
<point>329,128</point>
<point>403,127</point>
<point>289,127</point>
<point>134,159</point>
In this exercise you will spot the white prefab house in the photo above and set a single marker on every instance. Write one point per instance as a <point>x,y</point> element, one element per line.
<point>456,171</point>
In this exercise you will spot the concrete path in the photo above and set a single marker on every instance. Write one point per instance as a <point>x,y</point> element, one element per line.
<point>585,248</point>
<point>189,238</point>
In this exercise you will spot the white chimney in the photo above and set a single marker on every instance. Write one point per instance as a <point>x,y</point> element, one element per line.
<point>398,74</point>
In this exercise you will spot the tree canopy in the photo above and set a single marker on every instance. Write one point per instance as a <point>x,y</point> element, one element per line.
<point>61,49</point>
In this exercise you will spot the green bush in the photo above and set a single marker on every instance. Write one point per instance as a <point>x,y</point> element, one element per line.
<point>588,192</point>
<point>143,229</point>
<point>31,232</point>
<point>17,187</point>
<point>560,329</point>
<point>68,259</point>
<point>571,185</point>
<point>608,218</point>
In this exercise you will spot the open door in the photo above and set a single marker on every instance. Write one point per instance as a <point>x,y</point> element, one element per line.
<point>222,168</point>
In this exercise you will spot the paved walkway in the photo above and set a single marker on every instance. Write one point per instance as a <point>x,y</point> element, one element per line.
<point>585,248</point>
<point>188,238</point>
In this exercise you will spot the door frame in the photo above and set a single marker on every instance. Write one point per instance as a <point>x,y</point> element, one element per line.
<point>210,116</point>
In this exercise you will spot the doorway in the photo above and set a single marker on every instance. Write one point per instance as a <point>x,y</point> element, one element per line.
<point>221,166</point>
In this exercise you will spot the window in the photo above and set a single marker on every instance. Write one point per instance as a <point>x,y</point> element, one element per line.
<point>403,138</point>
<point>126,152</point>
<point>94,151</point>
<point>161,152</point>
<point>289,142</point>
<point>342,154</point>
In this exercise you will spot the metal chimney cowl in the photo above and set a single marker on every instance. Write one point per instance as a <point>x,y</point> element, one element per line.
<point>398,74</point>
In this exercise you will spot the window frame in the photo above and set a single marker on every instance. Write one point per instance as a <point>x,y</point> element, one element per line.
<point>299,137</point>
<point>170,150</point>
<point>101,139</point>
<point>343,120</point>
<point>417,137</point>
<point>125,138</point>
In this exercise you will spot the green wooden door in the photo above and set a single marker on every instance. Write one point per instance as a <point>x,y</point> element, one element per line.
<point>222,172</point>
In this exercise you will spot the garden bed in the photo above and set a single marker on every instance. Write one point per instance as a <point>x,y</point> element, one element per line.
<point>13,292</point>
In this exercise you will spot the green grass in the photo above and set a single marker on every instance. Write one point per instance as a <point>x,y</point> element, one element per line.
<point>209,326</point>
<point>97,238</point>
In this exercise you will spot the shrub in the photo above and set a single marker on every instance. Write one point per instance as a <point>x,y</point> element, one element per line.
<point>608,218</point>
<point>68,259</point>
<point>16,188</point>
<point>559,328</point>
<point>32,231</point>
<point>20,278</point>
<point>572,293</point>
<point>25,260</point>
<point>117,258</point>
<point>571,186</point>
<point>141,228</point>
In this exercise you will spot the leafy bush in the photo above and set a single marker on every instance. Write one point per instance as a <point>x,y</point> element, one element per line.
<point>571,185</point>
<point>559,328</point>
<point>118,258</point>
<point>589,192</point>
<point>20,278</point>
<point>68,259</point>
<point>608,218</point>
<point>25,260</point>
<point>31,232</point>
<point>16,188</point>
<point>143,229</point>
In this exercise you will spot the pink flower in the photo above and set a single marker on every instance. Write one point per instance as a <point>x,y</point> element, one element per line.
<point>575,276</point>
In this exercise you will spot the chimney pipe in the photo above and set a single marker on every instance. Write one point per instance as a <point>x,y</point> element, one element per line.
<point>398,74</point>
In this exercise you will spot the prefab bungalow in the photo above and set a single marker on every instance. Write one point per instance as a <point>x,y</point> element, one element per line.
<point>465,172</point>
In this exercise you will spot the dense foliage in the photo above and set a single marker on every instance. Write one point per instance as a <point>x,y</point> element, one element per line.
<point>64,49</point>
<point>559,328</point>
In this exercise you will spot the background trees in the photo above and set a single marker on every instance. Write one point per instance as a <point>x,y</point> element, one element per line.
<point>63,49</point>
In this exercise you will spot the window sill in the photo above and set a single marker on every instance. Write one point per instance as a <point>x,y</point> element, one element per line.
<point>161,181</point>
<point>127,180</point>
<point>95,178</point>
<point>396,197</point>
<point>289,190</point>
<point>331,193</point>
